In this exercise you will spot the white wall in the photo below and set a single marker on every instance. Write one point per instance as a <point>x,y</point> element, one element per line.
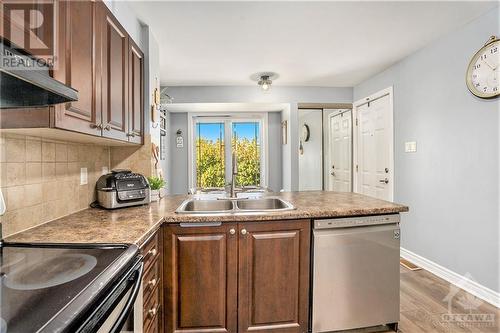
<point>311,159</point>
<point>278,94</point>
<point>177,164</point>
<point>452,183</point>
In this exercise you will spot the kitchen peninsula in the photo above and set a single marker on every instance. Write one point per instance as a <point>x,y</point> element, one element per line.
<point>251,270</point>
<point>133,225</point>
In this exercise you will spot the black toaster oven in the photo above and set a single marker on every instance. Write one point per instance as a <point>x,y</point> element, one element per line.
<point>122,188</point>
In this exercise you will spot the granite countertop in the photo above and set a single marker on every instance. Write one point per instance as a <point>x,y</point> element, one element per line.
<point>133,225</point>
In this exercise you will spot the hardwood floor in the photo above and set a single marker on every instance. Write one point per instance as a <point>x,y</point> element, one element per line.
<point>425,307</point>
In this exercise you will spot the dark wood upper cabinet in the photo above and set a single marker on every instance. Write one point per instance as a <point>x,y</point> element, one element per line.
<point>273,285</point>
<point>114,75</point>
<point>76,67</point>
<point>201,279</point>
<point>97,57</point>
<point>136,93</point>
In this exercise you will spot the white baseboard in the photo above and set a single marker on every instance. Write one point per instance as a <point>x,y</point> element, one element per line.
<point>460,281</point>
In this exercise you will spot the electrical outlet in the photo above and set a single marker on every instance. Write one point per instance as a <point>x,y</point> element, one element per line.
<point>83,176</point>
<point>410,146</point>
<point>104,170</point>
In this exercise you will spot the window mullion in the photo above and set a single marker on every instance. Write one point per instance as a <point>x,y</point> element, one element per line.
<point>228,132</point>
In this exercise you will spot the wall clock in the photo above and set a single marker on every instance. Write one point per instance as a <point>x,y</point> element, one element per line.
<point>306,133</point>
<point>482,73</point>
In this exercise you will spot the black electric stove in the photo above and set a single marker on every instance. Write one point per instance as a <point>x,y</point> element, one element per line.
<point>65,287</point>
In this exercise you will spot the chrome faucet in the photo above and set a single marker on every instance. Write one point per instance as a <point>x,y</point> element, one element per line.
<point>234,173</point>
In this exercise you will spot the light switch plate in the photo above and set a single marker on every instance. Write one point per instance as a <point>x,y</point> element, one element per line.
<point>410,146</point>
<point>180,142</point>
<point>104,170</point>
<point>83,176</point>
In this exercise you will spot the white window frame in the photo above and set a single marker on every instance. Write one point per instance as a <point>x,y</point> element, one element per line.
<point>228,119</point>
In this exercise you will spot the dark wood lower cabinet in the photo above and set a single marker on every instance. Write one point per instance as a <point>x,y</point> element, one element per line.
<point>201,279</point>
<point>237,277</point>
<point>273,276</point>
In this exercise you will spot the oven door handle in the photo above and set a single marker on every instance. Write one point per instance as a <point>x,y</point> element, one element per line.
<point>137,276</point>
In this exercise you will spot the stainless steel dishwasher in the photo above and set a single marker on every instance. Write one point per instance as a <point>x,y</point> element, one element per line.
<point>355,273</point>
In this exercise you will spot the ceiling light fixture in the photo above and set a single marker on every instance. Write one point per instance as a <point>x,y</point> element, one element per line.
<point>264,80</point>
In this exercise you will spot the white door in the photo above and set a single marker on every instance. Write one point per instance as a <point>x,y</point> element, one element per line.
<point>340,151</point>
<point>374,155</point>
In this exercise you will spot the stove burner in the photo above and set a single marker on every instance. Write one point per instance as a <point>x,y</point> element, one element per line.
<point>11,260</point>
<point>51,272</point>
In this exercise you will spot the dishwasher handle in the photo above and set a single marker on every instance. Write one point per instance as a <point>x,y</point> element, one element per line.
<point>359,221</point>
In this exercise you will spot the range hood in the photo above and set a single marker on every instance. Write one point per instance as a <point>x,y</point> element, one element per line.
<point>26,82</point>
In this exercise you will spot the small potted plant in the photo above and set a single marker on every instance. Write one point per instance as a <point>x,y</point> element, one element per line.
<point>156,184</point>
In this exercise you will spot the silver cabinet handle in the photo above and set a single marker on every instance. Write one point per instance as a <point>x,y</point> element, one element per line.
<point>199,224</point>
<point>232,231</point>
<point>332,173</point>
<point>152,252</point>
<point>131,134</point>
<point>243,231</point>
<point>107,127</point>
<point>385,181</point>
<point>99,126</point>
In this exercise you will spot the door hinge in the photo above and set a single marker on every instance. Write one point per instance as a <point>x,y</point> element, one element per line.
<point>356,121</point>
<point>356,168</point>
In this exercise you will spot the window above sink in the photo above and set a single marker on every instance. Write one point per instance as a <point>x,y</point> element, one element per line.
<point>213,140</point>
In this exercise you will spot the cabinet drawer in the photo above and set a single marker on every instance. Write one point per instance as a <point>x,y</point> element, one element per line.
<point>150,251</point>
<point>152,308</point>
<point>151,280</point>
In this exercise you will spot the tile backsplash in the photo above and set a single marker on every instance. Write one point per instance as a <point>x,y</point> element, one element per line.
<point>40,179</point>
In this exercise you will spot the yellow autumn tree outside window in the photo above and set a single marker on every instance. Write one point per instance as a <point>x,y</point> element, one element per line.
<point>211,152</point>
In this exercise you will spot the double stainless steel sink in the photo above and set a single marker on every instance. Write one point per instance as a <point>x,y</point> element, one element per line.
<point>219,206</point>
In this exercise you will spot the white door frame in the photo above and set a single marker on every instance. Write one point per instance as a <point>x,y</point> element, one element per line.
<point>355,106</point>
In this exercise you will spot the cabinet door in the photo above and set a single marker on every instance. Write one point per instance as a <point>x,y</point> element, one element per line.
<point>273,283</point>
<point>114,75</point>
<point>136,92</point>
<point>76,66</point>
<point>200,274</point>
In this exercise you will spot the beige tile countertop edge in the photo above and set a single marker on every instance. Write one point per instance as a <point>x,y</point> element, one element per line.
<point>134,225</point>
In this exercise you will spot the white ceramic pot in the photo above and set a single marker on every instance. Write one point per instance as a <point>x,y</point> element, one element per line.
<point>155,195</point>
